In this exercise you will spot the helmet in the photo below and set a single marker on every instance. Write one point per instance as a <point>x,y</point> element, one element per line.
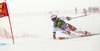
<point>53,17</point>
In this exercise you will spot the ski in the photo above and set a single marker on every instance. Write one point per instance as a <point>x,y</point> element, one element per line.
<point>77,36</point>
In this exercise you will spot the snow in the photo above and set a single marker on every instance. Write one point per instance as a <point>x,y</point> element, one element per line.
<point>34,33</point>
<point>42,44</point>
<point>43,32</point>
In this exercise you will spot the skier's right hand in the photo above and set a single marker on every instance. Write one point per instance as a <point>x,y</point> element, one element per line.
<point>54,35</point>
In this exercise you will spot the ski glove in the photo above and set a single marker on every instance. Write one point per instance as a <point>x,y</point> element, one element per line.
<point>68,18</point>
<point>54,35</point>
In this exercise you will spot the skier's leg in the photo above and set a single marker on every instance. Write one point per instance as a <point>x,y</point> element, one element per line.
<point>66,31</point>
<point>82,32</point>
<point>74,29</point>
<point>78,31</point>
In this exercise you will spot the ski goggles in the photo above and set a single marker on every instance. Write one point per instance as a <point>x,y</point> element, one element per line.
<point>53,19</point>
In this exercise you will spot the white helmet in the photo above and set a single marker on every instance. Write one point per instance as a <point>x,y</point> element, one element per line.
<point>53,17</point>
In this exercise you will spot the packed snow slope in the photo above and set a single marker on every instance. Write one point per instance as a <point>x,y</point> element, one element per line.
<point>34,33</point>
<point>41,29</point>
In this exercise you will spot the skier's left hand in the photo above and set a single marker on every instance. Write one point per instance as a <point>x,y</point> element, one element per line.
<point>68,18</point>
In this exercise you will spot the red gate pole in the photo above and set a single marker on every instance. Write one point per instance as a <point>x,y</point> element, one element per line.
<point>10,24</point>
<point>11,30</point>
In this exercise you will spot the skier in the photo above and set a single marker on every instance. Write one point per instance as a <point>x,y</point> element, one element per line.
<point>66,28</point>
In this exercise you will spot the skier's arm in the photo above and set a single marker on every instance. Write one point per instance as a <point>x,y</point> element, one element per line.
<point>54,32</point>
<point>64,18</point>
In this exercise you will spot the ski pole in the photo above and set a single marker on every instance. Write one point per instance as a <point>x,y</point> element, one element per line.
<point>79,16</point>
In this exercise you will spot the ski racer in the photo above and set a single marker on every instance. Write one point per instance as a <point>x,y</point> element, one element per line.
<point>65,28</point>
